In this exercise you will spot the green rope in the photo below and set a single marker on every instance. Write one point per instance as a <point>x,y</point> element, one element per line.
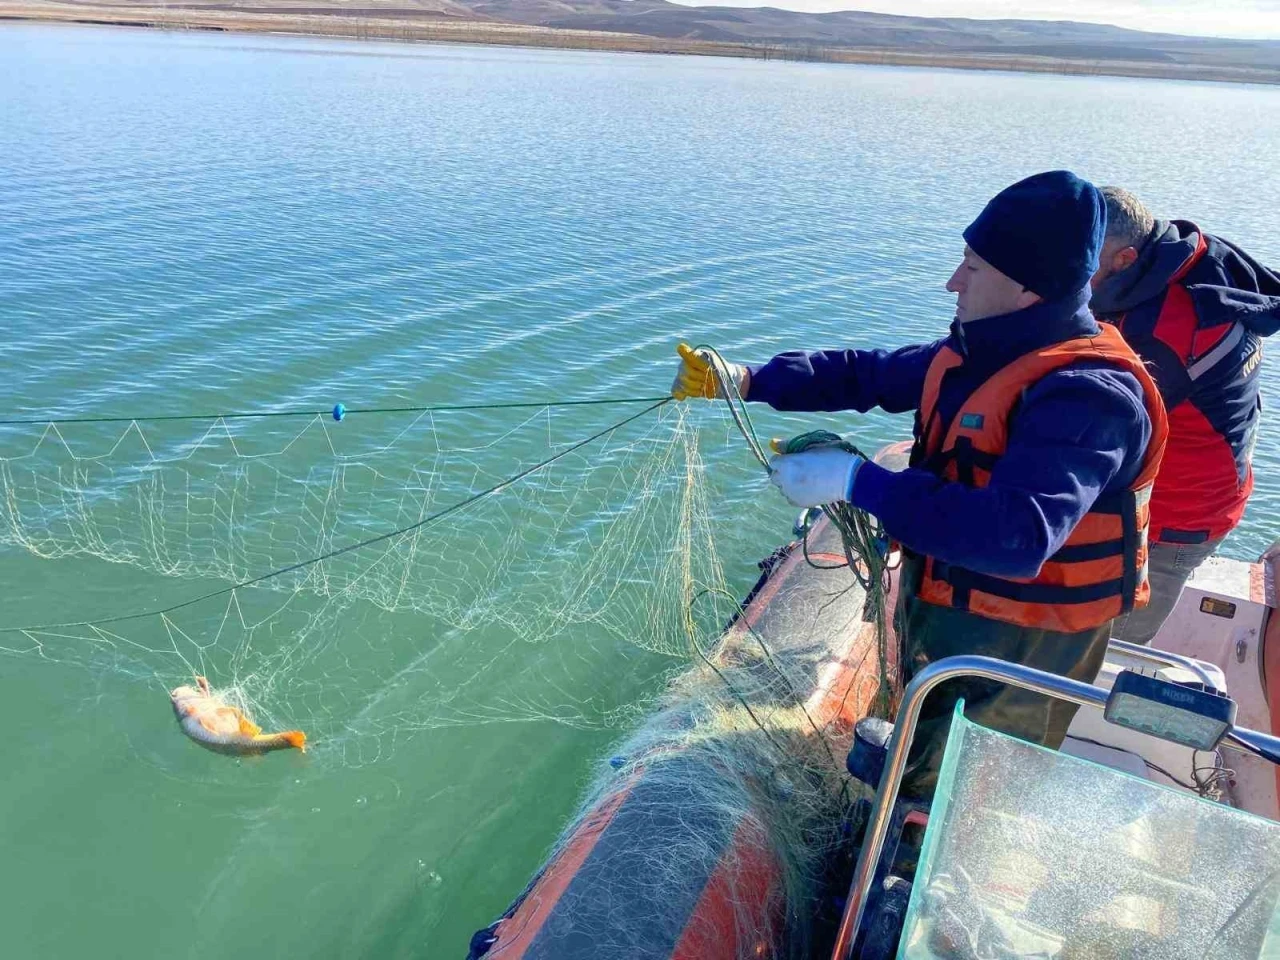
<point>264,414</point>
<point>737,405</point>
<point>862,536</point>
<point>865,545</point>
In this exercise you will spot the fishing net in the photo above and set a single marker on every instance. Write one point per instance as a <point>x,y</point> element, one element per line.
<point>718,829</point>
<point>551,575</point>
<point>370,579</point>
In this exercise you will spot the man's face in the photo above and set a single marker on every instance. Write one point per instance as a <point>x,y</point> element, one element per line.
<point>1116,256</point>
<point>983,291</point>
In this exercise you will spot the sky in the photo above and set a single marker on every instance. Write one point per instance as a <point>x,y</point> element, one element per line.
<point>1253,19</point>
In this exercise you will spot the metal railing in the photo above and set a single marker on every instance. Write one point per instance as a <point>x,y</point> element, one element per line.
<point>987,668</point>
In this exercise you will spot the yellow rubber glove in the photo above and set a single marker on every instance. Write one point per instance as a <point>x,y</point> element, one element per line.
<point>699,378</point>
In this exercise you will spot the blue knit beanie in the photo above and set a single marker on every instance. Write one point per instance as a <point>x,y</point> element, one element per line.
<point>1045,232</point>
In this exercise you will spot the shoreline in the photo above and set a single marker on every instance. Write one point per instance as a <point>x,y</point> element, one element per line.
<point>444,29</point>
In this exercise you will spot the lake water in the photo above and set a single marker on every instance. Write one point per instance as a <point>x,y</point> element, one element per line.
<point>206,224</point>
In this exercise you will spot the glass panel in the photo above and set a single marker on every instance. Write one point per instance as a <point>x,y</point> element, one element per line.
<point>1034,853</point>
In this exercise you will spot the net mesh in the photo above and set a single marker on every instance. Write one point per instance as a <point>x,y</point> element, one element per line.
<point>595,554</point>
<point>503,601</point>
<point>725,813</point>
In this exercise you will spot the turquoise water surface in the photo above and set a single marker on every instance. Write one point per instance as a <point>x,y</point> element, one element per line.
<point>200,223</point>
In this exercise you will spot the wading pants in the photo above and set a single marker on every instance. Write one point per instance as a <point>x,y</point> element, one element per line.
<point>932,632</point>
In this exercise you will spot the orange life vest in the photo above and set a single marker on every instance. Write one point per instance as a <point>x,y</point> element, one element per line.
<point>1101,570</point>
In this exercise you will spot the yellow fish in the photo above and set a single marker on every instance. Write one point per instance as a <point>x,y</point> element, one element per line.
<point>217,725</point>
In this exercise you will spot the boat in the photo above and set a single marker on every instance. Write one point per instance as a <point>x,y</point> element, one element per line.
<point>755,814</point>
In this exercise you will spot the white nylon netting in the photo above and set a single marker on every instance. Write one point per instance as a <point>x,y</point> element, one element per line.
<point>574,594</point>
<point>498,611</point>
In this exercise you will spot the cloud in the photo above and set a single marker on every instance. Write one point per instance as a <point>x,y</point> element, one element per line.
<point>1253,19</point>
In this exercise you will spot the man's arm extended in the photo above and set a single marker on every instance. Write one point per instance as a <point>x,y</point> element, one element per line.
<point>832,380</point>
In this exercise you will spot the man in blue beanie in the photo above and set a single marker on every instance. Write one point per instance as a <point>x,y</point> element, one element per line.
<point>1038,433</point>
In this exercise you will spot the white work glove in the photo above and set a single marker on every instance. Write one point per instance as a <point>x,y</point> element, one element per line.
<point>699,376</point>
<point>815,477</point>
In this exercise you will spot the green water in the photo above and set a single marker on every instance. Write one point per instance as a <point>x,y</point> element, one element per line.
<point>196,223</point>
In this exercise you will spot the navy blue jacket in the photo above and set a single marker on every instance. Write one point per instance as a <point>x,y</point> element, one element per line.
<point>1080,432</point>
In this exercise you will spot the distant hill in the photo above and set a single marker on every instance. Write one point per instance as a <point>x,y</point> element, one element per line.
<point>657,18</point>
<point>660,26</point>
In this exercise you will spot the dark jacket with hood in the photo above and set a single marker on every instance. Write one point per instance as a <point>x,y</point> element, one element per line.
<point>1195,308</point>
<point>1080,434</point>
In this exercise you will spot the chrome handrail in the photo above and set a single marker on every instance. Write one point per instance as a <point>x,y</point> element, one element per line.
<point>988,668</point>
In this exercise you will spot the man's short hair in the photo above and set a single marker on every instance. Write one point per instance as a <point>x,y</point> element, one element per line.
<point>1128,219</point>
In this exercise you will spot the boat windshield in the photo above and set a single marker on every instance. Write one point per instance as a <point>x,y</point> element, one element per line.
<point>1034,853</point>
